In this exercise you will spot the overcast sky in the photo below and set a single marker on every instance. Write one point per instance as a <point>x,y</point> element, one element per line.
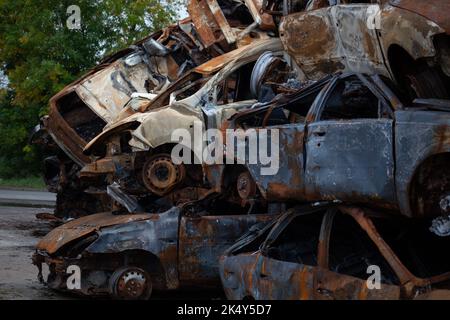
<point>182,12</point>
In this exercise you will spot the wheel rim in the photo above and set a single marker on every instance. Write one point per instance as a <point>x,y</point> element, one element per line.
<point>130,284</point>
<point>161,175</point>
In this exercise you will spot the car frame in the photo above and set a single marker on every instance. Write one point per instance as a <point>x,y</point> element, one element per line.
<point>102,96</point>
<point>402,150</point>
<point>356,36</point>
<point>127,256</point>
<point>251,271</point>
<point>143,137</point>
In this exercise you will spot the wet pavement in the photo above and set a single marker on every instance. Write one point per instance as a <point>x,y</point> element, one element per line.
<point>19,232</point>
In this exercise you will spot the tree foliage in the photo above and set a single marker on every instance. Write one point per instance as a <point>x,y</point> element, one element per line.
<point>39,55</point>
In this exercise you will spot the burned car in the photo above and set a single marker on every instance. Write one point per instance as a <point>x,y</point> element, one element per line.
<point>136,151</point>
<point>405,40</point>
<point>85,107</point>
<point>330,254</point>
<point>127,256</point>
<point>349,138</point>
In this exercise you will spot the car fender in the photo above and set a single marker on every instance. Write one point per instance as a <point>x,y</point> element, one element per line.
<point>157,235</point>
<point>413,32</point>
<point>418,135</point>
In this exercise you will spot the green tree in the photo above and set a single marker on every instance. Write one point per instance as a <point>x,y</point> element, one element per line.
<point>39,55</point>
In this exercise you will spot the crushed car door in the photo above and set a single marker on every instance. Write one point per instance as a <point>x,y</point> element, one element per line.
<point>288,261</point>
<point>279,180</point>
<point>349,147</point>
<point>335,286</point>
<point>336,38</point>
<point>203,239</point>
<point>354,268</point>
<point>284,122</point>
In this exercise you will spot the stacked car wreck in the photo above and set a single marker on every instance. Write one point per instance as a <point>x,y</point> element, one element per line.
<point>358,93</point>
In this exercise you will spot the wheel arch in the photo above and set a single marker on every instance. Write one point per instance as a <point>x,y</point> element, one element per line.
<point>147,261</point>
<point>428,161</point>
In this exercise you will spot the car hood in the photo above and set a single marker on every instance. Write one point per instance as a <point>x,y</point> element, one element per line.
<point>84,226</point>
<point>436,11</point>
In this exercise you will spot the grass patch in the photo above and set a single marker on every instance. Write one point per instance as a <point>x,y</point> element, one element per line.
<point>30,182</point>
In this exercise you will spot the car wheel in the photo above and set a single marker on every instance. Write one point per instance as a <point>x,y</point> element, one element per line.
<point>160,175</point>
<point>130,283</point>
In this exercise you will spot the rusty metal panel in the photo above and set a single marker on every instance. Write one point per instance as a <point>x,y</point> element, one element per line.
<point>275,274</point>
<point>215,64</point>
<point>288,182</point>
<point>419,135</point>
<point>204,239</point>
<point>152,234</point>
<point>109,90</point>
<point>350,161</point>
<point>210,22</point>
<point>311,40</point>
<point>335,286</point>
<point>236,275</point>
<point>358,44</point>
<point>436,11</point>
<point>158,235</point>
<point>78,228</point>
<point>413,32</point>
<point>262,278</point>
<point>64,136</point>
<point>101,166</point>
<point>264,20</point>
<point>332,39</point>
<point>221,21</point>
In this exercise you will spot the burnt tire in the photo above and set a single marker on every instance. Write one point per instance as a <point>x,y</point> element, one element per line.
<point>130,283</point>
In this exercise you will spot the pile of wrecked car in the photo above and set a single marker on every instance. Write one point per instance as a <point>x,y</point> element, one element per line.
<point>360,101</point>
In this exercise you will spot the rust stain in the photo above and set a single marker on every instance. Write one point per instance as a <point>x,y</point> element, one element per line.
<point>436,11</point>
<point>205,22</point>
<point>281,191</point>
<point>442,137</point>
<point>303,34</point>
<point>304,289</point>
<point>81,227</point>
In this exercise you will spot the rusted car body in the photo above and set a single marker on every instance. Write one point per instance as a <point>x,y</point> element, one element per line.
<point>148,66</point>
<point>81,110</point>
<point>102,96</point>
<point>99,96</point>
<point>406,40</point>
<point>325,254</point>
<point>126,256</point>
<point>349,138</point>
<point>133,150</point>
